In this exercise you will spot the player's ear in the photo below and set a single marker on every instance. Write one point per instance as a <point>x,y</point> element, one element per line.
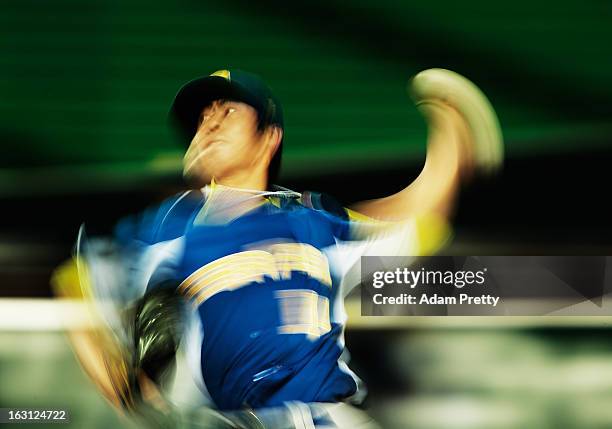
<point>274,136</point>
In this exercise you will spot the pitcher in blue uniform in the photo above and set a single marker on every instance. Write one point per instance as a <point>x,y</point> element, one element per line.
<point>263,269</point>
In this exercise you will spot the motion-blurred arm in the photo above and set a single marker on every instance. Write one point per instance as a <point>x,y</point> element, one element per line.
<point>434,191</point>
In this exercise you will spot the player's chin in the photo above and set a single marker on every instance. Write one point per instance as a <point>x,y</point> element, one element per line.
<point>196,177</point>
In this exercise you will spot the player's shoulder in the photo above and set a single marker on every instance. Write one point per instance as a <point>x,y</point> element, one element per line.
<point>181,204</point>
<point>320,214</point>
<point>323,203</point>
<point>164,221</point>
<point>311,201</point>
<point>329,207</point>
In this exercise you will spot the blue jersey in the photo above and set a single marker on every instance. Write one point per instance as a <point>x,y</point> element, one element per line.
<point>264,294</point>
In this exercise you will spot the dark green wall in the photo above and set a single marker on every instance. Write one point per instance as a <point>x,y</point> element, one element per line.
<point>84,86</point>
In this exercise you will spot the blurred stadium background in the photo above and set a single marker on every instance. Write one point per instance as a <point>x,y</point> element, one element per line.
<point>84,90</point>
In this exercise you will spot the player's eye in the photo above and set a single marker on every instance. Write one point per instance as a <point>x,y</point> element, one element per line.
<point>229,111</point>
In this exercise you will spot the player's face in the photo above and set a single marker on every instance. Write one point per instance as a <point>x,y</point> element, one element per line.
<point>226,143</point>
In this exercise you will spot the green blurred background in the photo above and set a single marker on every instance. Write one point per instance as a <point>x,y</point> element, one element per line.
<point>85,86</point>
<point>84,91</point>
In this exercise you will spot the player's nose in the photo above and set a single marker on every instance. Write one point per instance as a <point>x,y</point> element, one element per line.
<point>213,123</point>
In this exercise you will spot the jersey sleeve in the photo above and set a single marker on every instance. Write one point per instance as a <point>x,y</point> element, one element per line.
<point>162,222</point>
<point>358,235</point>
<point>152,242</point>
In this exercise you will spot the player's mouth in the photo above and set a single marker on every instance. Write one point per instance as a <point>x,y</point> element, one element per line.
<point>191,158</point>
<point>211,142</point>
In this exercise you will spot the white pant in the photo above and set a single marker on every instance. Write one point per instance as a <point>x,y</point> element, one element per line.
<point>319,415</point>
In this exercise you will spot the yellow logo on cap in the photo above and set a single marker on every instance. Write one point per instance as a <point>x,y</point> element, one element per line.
<point>222,73</point>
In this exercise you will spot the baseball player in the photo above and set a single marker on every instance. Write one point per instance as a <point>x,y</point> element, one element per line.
<point>248,278</point>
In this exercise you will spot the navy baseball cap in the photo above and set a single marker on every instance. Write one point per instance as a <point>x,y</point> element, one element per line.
<point>232,84</point>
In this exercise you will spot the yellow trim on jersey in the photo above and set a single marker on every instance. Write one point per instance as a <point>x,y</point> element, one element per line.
<point>432,232</point>
<point>228,270</point>
<point>303,312</point>
<point>300,257</point>
<point>71,279</point>
<point>240,269</point>
<point>275,201</point>
<point>359,217</point>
